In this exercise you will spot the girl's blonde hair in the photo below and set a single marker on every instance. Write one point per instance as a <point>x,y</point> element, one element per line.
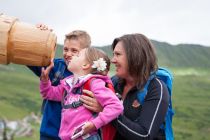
<point>93,54</point>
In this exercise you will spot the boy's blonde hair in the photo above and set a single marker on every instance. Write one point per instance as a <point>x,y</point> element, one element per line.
<point>93,54</point>
<point>82,36</point>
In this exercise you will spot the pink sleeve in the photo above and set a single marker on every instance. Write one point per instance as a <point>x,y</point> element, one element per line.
<point>112,106</point>
<point>50,92</point>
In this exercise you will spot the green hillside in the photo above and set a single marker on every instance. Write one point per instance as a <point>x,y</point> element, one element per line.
<point>19,89</point>
<point>19,92</point>
<point>182,55</point>
<point>191,94</point>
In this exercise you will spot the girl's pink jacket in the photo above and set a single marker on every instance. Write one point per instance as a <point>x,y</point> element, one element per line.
<point>73,117</point>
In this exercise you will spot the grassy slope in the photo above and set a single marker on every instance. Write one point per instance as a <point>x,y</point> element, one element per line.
<point>191,94</point>
<point>19,94</point>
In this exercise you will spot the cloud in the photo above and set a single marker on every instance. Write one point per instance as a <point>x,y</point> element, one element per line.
<point>174,21</point>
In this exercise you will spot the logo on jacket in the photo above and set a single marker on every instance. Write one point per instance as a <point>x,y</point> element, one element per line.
<point>135,104</point>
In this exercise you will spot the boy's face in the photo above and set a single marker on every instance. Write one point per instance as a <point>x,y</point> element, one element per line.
<point>71,48</point>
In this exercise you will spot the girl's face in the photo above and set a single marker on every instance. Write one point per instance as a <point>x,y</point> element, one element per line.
<point>78,62</point>
<point>120,61</point>
<point>71,48</point>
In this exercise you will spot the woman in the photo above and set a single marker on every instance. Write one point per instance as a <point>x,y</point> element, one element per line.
<point>135,60</point>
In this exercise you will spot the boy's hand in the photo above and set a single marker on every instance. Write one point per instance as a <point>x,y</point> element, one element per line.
<point>45,72</point>
<point>43,27</point>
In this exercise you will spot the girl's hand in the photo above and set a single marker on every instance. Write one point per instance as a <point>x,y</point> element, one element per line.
<point>45,72</point>
<point>88,127</point>
<point>90,102</point>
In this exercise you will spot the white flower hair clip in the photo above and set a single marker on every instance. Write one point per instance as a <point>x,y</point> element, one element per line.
<point>100,64</point>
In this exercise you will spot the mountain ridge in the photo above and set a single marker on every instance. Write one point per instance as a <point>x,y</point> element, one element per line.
<point>180,55</point>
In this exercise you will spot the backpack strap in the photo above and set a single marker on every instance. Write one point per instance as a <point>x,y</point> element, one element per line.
<point>87,85</point>
<point>141,94</point>
<point>115,81</point>
<point>166,76</point>
<point>76,104</point>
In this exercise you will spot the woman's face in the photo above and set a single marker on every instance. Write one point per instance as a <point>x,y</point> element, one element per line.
<point>71,48</point>
<point>120,61</point>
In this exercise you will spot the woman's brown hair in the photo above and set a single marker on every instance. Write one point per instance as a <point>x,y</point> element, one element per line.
<point>141,57</point>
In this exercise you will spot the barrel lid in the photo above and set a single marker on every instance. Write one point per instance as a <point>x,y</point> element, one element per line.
<point>6,22</point>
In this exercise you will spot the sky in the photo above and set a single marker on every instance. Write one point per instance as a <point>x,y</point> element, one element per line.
<point>172,21</point>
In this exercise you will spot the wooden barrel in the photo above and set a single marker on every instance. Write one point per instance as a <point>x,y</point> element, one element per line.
<point>22,43</point>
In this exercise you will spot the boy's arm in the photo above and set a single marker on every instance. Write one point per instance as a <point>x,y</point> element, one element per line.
<point>36,70</point>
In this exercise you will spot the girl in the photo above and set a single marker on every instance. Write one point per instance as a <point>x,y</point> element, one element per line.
<point>51,110</point>
<point>89,63</point>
